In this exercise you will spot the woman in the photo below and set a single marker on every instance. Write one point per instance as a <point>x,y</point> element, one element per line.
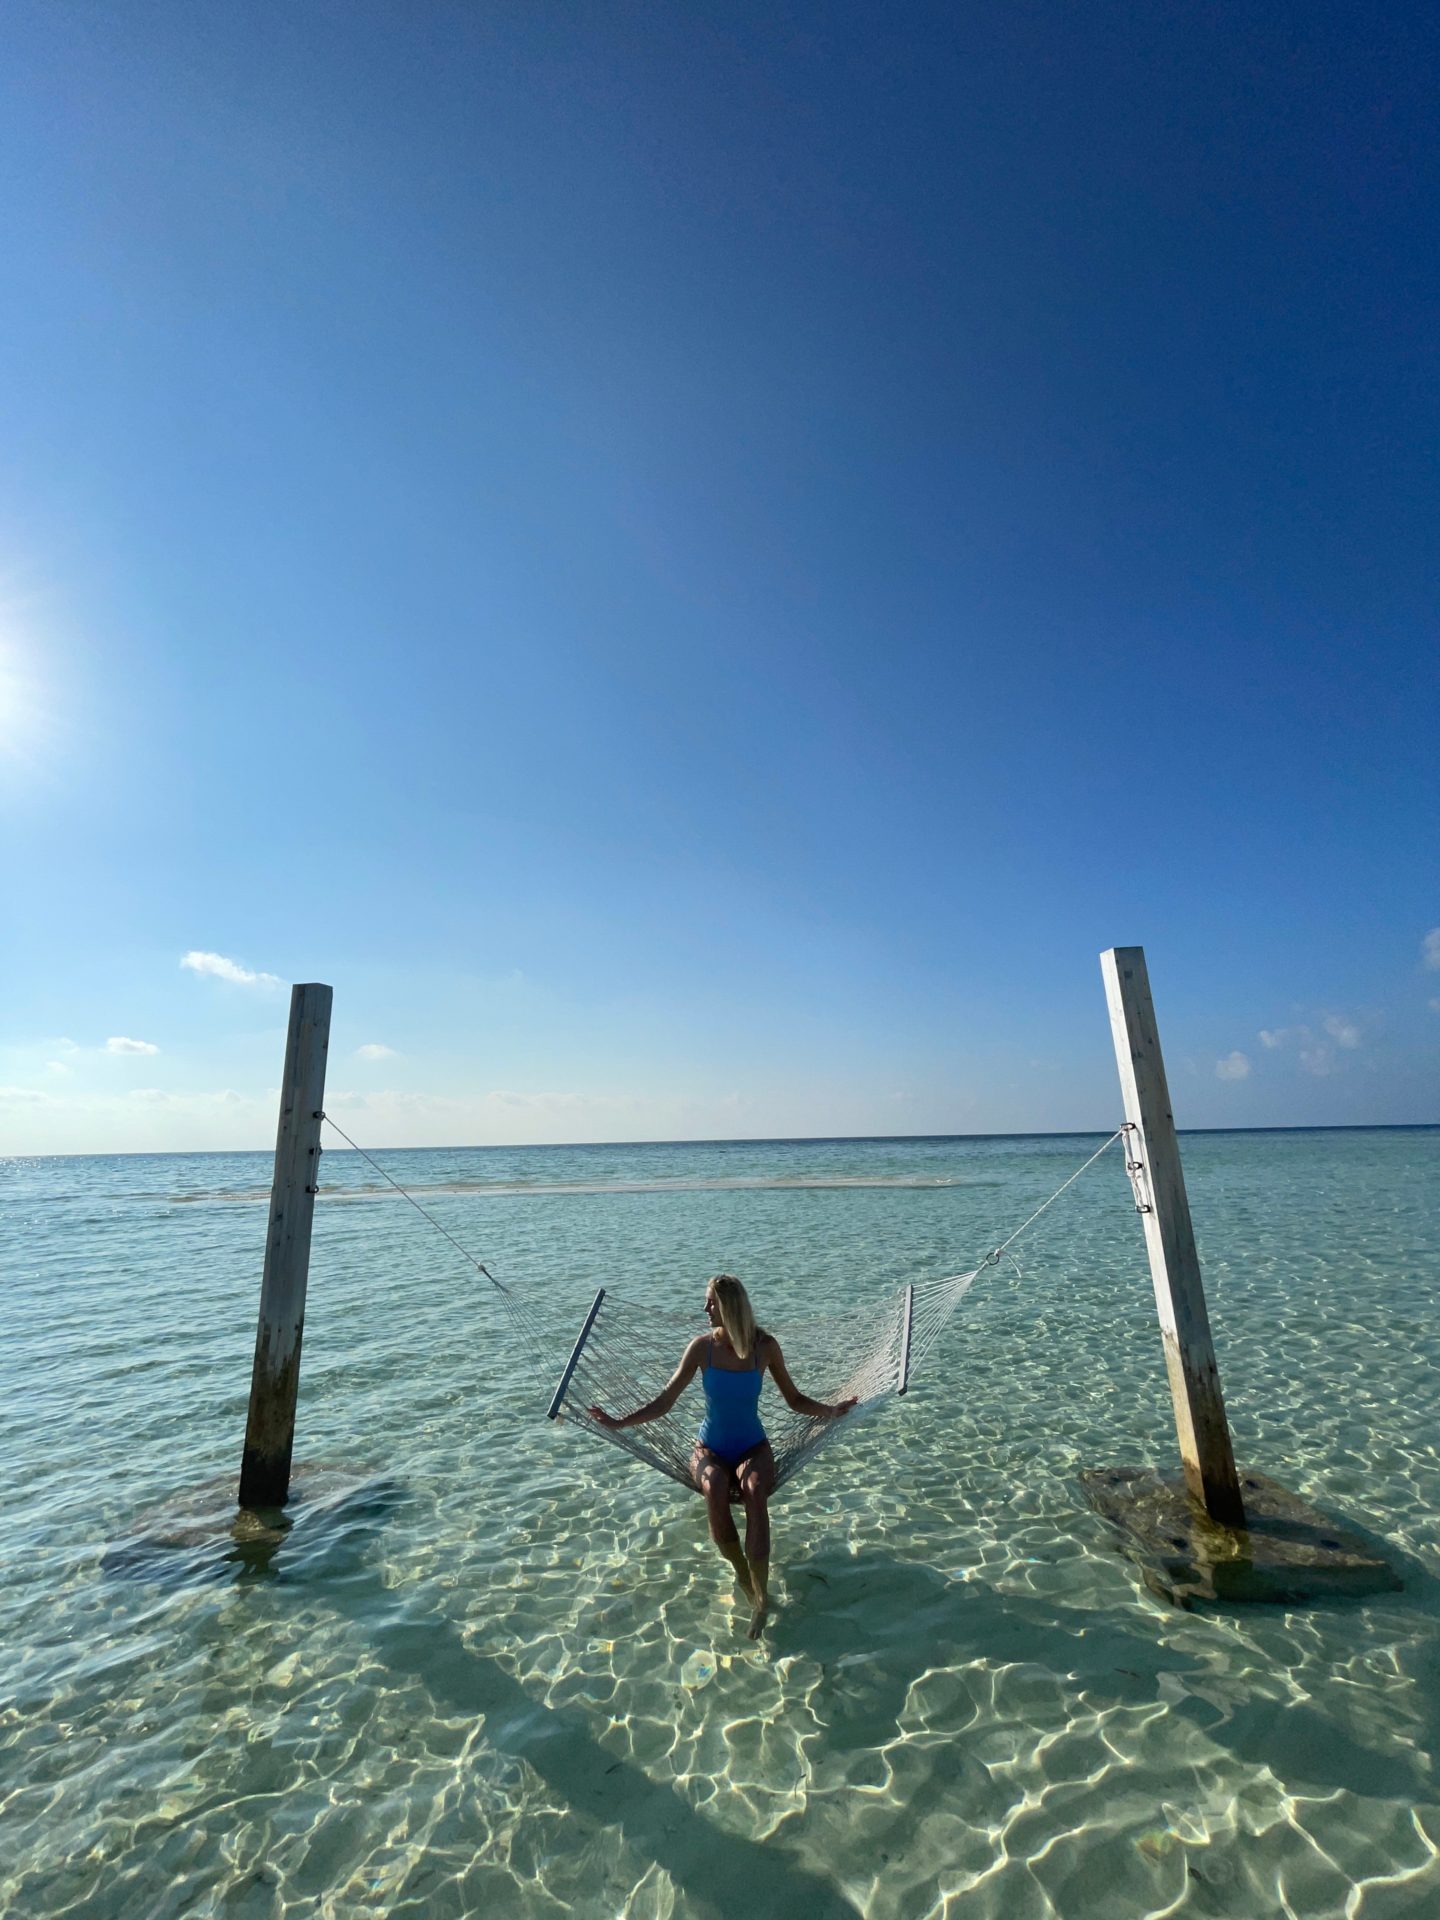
<point>732,1458</point>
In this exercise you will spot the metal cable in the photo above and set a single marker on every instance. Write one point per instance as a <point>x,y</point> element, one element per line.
<point>995,1255</point>
<point>479,1265</point>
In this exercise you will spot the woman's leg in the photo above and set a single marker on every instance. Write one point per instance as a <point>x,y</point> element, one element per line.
<point>716,1481</point>
<point>757,1483</point>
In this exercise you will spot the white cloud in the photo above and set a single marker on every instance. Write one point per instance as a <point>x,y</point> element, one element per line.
<point>1235,1066</point>
<point>373,1050</point>
<point>1315,1052</point>
<point>219,968</point>
<point>146,1119</point>
<point>500,1101</point>
<point>546,1102</point>
<point>56,1066</point>
<point>1430,950</point>
<point>117,1043</point>
<point>1343,1032</point>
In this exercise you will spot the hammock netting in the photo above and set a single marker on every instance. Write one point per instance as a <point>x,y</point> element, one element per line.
<point>627,1352</point>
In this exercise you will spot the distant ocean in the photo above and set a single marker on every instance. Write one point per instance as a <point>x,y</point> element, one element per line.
<point>496,1668</point>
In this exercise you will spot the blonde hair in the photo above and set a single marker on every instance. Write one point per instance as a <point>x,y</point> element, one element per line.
<point>737,1316</point>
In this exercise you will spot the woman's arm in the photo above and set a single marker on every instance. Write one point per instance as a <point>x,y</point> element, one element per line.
<point>663,1400</point>
<point>801,1402</point>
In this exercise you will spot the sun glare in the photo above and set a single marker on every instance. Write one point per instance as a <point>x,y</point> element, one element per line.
<point>12,704</point>
<point>28,733</point>
<point>19,703</point>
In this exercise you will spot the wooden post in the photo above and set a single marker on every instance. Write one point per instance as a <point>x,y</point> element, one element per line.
<point>275,1382</point>
<point>1154,1152</point>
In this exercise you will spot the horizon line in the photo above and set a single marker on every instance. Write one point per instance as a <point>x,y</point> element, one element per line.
<point>731,1140</point>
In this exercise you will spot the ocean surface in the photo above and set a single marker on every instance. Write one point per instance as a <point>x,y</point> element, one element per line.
<point>495,1667</point>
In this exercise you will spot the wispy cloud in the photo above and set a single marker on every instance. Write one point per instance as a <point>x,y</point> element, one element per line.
<point>223,1099</point>
<point>1316,1047</point>
<point>117,1043</point>
<point>374,1050</point>
<point>500,1100</point>
<point>1235,1066</point>
<point>1430,950</point>
<point>217,967</point>
<point>59,1119</point>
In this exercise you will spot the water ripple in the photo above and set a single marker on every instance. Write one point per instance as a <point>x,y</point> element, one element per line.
<point>518,1682</point>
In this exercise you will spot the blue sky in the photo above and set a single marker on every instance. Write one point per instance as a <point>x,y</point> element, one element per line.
<point>699,563</point>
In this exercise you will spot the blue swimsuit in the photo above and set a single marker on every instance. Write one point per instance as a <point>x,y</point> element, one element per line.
<point>731,1427</point>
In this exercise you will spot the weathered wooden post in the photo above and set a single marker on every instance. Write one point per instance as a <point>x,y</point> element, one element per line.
<point>274,1384</point>
<point>1191,1537</point>
<point>1154,1151</point>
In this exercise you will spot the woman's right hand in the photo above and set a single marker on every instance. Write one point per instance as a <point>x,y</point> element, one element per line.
<point>605,1419</point>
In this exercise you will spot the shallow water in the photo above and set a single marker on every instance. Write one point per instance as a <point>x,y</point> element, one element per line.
<point>494,1666</point>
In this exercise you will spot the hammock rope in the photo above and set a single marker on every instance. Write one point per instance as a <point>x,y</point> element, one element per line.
<point>628,1350</point>
<point>465,1254</point>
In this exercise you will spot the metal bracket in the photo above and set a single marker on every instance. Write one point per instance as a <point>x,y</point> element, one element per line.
<point>1139,1181</point>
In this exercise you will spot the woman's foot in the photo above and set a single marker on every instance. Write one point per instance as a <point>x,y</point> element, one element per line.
<point>757,1620</point>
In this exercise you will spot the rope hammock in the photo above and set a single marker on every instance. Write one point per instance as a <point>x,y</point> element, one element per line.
<point>627,1351</point>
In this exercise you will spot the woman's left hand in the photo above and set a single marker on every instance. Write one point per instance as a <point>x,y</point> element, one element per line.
<point>844,1406</point>
<point>605,1419</point>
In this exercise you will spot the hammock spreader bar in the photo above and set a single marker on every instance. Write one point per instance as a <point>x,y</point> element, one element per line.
<point>576,1351</point>
<point>907,1321</point>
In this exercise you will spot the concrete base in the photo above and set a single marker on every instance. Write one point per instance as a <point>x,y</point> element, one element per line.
<point>1288,1552</point>
<point>202,1535</point>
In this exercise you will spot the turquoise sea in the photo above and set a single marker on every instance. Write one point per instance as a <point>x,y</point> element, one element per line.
<point>495,1668</point>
